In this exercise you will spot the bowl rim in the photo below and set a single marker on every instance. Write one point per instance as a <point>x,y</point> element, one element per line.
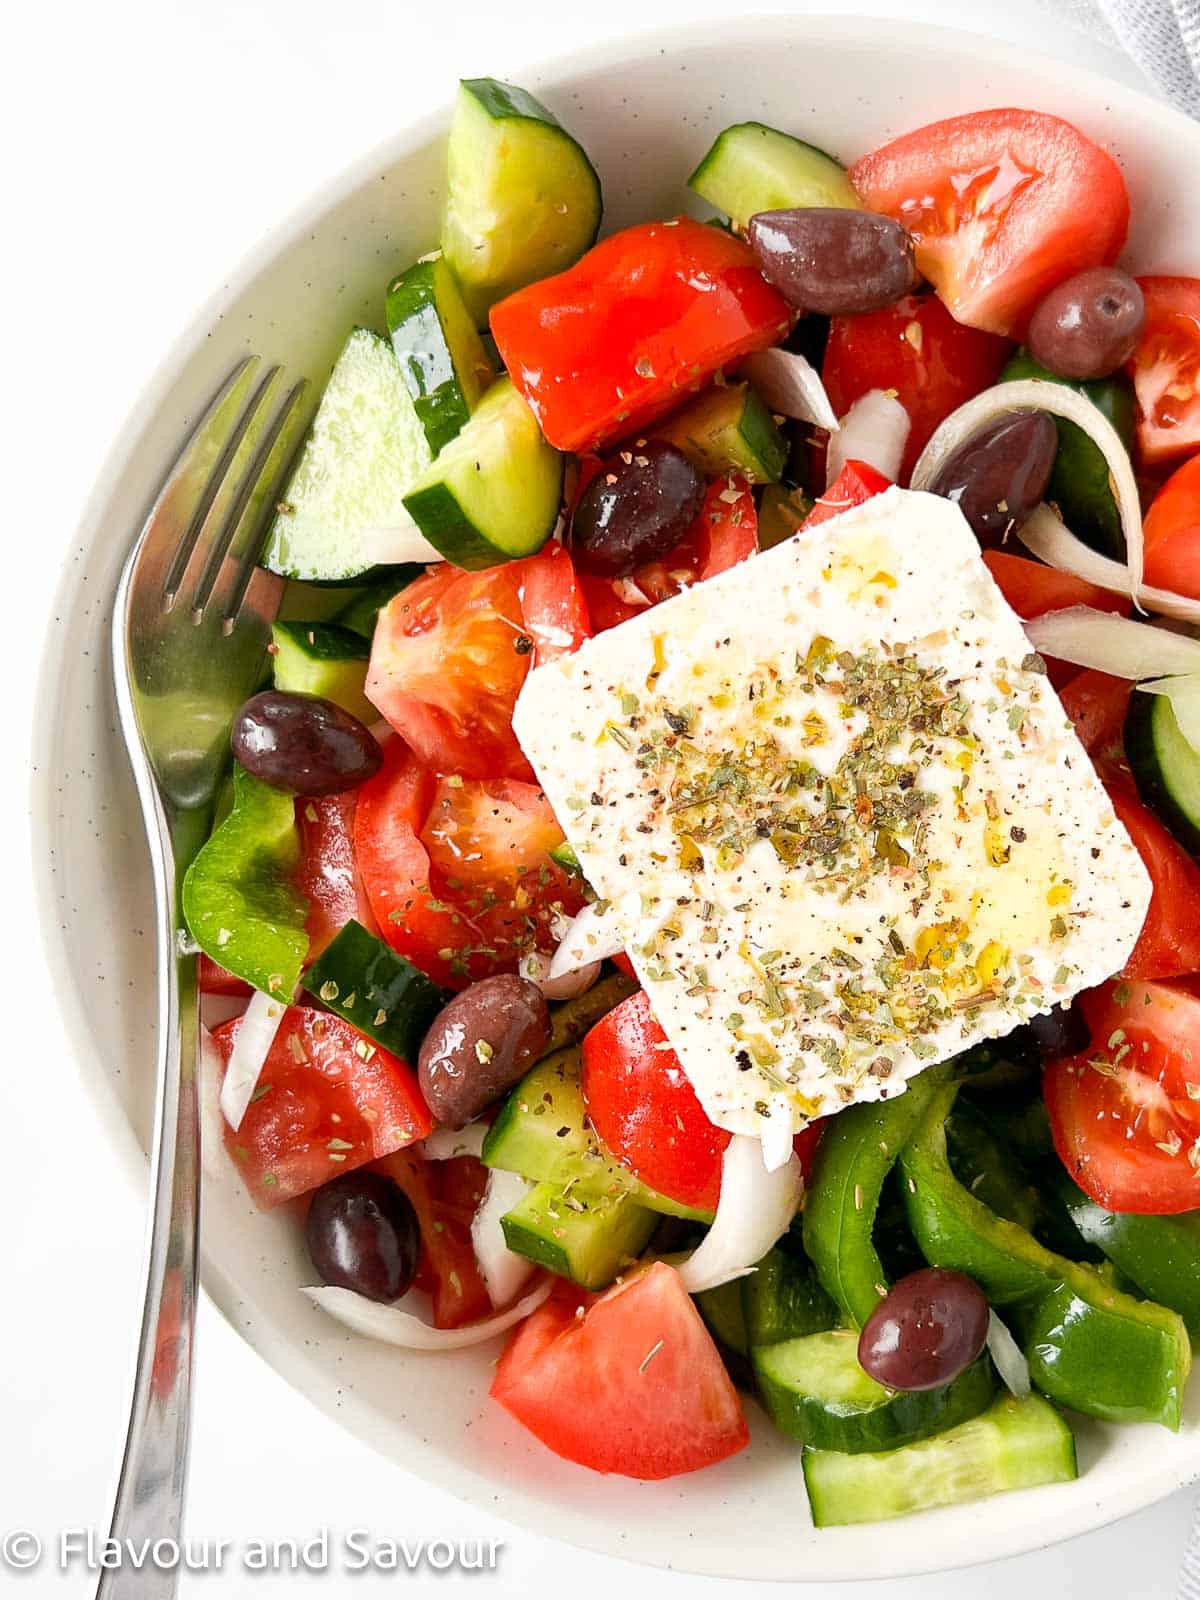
<point>1083,1512</point>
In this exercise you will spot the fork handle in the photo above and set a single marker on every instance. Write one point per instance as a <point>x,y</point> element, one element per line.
<point>149,1499</point>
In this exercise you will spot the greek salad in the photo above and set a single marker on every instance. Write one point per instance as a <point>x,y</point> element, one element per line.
<point>710,891</point>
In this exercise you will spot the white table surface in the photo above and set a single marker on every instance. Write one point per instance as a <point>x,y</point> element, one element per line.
<point>146,142</point>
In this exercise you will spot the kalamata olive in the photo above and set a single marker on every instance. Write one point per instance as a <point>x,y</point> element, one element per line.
<point>303,743</point>
<point>829,259</point>
<point>637,508</point>
<point>999,475</point>
<point>362,1234</point>
<point>1061,1032</point>
<point>1088,326</point>
<point>480,1045</point>
<point>930,1328</point>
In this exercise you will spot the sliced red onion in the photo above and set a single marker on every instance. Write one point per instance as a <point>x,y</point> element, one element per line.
<point>874,430</point>
<point>503,1271</point>
<point>1008,1357</point>
<point>398,1325</point>
<point>443,1144</point>
<point>387,547</point>
<point>1061,401</point>
<point>1045,534</point>
<point>590,937</point>
<point>791,386</point>
<point>1184,695</point>
<point>251,1046</point>
<point>1112,644</point>
<point>536,967</point>
<point>755,1209</point>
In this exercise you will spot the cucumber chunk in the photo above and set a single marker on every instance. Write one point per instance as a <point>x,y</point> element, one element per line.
<point>752,168</point>
<point>543,1133</point>
<point>781,513</point>
<point>324,659</point>
<point>494,492</point>
<point>375,990</point>
<point>365,450</point>
<point>723,1313</point>
<point>589,1238</point>
<point>1165,766</point>
<point>441,356</point>
<point>729,429</point>
<point>1017,1444</point>
<point>815,1391</point>
<point>361,611</point>
<point>522,198</point>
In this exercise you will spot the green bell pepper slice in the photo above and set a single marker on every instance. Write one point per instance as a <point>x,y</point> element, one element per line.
<point>239,902</point>
<point>857,1152</point>
<point>1088,1345</point>
<point>1079,483</point>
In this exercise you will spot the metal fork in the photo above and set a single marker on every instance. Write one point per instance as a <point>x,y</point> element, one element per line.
<point>190,630</point>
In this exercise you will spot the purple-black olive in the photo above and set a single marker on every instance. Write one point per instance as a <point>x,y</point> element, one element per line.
<point>480,1045</point>
<point>833,260</point>
<point>636,509</point>
<point>999,475</point>
<point>362,1234</point>
<point>927,1330</point>
<point>304,744</point>
<point>1088,326</point>
<point>1061,1032</point>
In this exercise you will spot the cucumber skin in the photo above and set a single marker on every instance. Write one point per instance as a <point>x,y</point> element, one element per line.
<point>1016,1444</point>
<point>897,1418</point>
<point>417,323</point>
<point>361,613</point>
<point>376,978</point>
<point>1149,719</point>
<point>323,659</point>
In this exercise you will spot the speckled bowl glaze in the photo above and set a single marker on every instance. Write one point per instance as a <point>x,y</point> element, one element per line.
<point>645,112</point>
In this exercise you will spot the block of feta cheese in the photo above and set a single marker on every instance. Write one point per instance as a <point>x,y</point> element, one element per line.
<point>838,813</point>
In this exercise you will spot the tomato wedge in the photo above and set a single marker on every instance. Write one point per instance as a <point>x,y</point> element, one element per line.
<point>1097,704</point>
<point>915,347</point>
<point>1172,531</point>
<point>458,871</point>
<point>854,485</point>
<point>1031,588</point>
<point>445,1196</point>
<point>451,652</point>
<point>1002,205</point>
<point>1166,370</point>
<point>634,1386</point>
<point>328,874</point>
<point>1126,1114</point>
<point>644,1109</point>
<point>725,532</point>
<point>645,317</point>
<point>320,1108</point>
<point>1169,943</point>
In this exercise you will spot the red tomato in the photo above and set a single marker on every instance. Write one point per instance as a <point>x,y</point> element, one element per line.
<point>1124,1121</point>
<point>916,348</point>
<point>321,1109</point>
<point>1166,369</point>
<point>645,1110</point>
<point>634,1386</point>
<point>1169,943</point>
<point>445,1196</point>
<point>854,485</point>
<point>1032,589</point>
<point>1172,530</point>
<point>458,872</point>
<point>1002,205</point>
<point>725,532</point>
<point>1097,704</point>
<point>646,316</point>
<point>327,873</point>
<point>212,978</point>
<point>805,1144</point>
<point>451,652</point>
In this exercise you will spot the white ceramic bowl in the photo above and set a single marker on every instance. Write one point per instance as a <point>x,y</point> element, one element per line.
<point>645,113</point>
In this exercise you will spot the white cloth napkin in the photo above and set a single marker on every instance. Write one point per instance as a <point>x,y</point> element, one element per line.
<point>1163,37</point>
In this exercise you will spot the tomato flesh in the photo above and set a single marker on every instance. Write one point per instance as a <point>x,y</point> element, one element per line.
<point>1166,370</point>
<point>916,348</point>
<point>854,485</point>
<point>1169,943</point>
<point>1172,530</point>
<point>320,1108</point>
<point>458,871</point>
<point>328,874</point>
<point>645,317</point>
<point>645,1110</point>
<point>1002,206</point>
<point>1125,1123</point>
<point>1097,704</point>
<point>1032,589</point>
<point>445,1196</point>
<point>634,1386</point>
